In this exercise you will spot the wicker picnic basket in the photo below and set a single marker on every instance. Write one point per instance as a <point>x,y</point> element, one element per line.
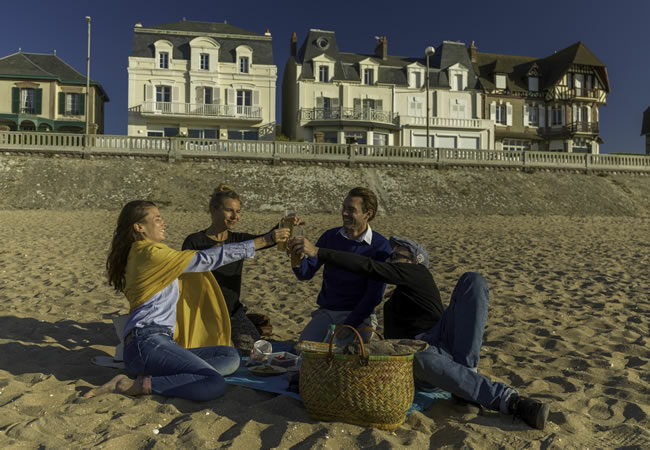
<point>374,391</point>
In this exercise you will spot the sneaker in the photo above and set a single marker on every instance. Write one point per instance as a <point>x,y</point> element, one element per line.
<point>533,412</point>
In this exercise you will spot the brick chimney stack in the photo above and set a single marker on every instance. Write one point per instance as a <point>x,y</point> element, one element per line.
<point>294,40</point>
<point>381,50</point>
<point>473,52</point>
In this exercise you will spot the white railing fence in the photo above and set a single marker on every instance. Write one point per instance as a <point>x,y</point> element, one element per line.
<point>184,147</point>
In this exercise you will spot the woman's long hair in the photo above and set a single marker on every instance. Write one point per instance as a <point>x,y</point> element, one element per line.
<point>123,237</point>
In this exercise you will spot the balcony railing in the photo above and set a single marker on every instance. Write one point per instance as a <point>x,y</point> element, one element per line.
<point>199,110</point>
<point>356,114</point>
<point>446,122</point>
<point>572,128</point>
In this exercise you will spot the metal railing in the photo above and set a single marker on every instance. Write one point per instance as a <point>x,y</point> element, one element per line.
<point>185,147</point>
<point>567,93</point>
<point>361,114</point>
<point>199,109</point>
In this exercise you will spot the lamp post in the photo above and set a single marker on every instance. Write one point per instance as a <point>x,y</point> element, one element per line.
<point>429,51</point>
<point>87,100</point>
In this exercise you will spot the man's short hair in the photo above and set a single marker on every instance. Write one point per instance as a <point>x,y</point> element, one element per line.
<point>368,200</point>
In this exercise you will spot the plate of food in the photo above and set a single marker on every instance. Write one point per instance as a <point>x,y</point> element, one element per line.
<point>267,370</point>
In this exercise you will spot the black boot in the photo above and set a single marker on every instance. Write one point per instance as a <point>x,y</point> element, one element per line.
<point>533,412</point>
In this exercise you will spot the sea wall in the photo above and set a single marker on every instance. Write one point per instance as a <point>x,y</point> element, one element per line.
<point>55,182</point>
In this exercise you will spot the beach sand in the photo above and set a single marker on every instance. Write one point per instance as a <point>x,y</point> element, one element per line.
<point>568,324</point>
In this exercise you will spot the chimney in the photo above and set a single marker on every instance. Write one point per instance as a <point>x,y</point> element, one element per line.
<point>294,39</point>
<point>381,50</point>
<point>473,52</point>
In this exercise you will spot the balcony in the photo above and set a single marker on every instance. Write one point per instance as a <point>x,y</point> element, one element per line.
<point>577,93</point>
<point>346,116</point>
<point>249,113</point>
<point>572,129</point>
<point>446,122</point>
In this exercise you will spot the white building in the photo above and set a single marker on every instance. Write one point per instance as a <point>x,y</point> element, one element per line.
<point>380,99</point>
<point>201,79</point>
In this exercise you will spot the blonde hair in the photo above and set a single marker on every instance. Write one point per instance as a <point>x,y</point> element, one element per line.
<point>222,192</point>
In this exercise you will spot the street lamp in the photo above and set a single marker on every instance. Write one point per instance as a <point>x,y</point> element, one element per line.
<point>429,51</point>
<point>88,78</point>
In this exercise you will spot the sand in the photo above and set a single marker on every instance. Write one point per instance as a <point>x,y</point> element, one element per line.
<point>568,323</point>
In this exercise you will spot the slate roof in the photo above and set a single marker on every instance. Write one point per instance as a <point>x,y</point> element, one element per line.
<point>228,36</point>
<point>392,70</point>
<point>43,66</point>
<point>645,126</point>
<point>552,67</point>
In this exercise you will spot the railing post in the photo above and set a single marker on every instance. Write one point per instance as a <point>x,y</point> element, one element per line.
<point>275,158</point>
<point>523,160</point>
<point>351,150</point>
<point>174,150</point>
<point>587,162</point>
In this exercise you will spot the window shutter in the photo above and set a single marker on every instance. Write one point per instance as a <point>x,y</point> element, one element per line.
<point>148,92</point>
<point>38,100</point>
<point>231,96</point>
<point>15,100</point>
<point>335,103</point>
<point>319,102</point>
<point>562,118</point>
<point>493,111</point>
<point>379,105</point>
<point>175,94</point>
<point>256,97</point>
<point>411,106</point>
<point>574,113</point>
<point>542,116</point>
<point>216,98</point>
<point>199,95</point>
<point>61,103</point>
<point>549,116</point>
<point>357,104</point>
<point>525,115</point>
<point>82,104</point>
<point>508,113</point>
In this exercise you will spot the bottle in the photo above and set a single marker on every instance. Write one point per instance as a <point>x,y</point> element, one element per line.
<point>330,332</point>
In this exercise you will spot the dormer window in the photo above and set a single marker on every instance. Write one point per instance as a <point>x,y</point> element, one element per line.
<point>243,64</point>
<point>458,77</point>
<point>323,73</point>
<point>500,81</point>
<point>322,43</point>
<point>163,60</point>
<point>368,76</point>
<point>533,84</point>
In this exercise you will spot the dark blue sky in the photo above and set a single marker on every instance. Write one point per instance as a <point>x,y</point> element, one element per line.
<point>616,31</point>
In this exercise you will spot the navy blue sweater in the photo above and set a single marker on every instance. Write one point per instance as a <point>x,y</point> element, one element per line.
<point>342,290</point>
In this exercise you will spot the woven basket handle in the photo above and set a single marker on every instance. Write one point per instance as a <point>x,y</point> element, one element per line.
<point>363,355</point>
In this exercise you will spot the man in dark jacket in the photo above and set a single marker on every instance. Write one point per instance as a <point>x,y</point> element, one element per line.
<point>454,338</point>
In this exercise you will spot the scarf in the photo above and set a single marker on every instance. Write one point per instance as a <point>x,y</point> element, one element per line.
<point>202,317</point>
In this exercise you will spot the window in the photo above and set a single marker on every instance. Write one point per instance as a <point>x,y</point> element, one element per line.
<point>27,101</point>
<point>459,82</point>
<point>171,131</point>
<point>207,95</point>
<point>163,60</point>
<point>446,141</point>
<point>380,139</point>
<point>368,76</point>
<point>323,73</point>
<point>207,133</point>
<point>415,79</point>
<point>556,115</point>
<point>501,114</point>
<point>163,98</point>
<point>74,104</point>
<point>155,133</point>
<point>516,145</point>
<point>244,101</point>
<point>533,119</point>
<point>369,103</point>
<point>243,64</point>
<point>582,114</point>
<point>246,135</point>
<point>533,84</point>
<point>204,61</point>
<point>415,107</point>
<point>355,137</point>
<point>500,81</point>
<point>457,109</point>
<point>468,142</point>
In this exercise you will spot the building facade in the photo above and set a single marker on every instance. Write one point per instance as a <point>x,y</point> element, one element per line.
<point>377,99</point>
<point>545,104</point>
<point>203,80</point>
<point>645,130</point>
<point>41,92</point>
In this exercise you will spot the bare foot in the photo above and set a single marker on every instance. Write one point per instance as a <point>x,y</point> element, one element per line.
<point>121,384</point>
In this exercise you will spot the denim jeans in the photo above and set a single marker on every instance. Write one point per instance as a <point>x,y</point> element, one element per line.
<point>451,361</point>
<point>317,328</point>
<point>193,374</point>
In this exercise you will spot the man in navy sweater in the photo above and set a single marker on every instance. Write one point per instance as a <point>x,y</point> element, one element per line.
<point>345,297</point>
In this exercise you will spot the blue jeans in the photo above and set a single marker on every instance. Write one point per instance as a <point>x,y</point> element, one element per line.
<point>451,361</point>
<point>194,374</point>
